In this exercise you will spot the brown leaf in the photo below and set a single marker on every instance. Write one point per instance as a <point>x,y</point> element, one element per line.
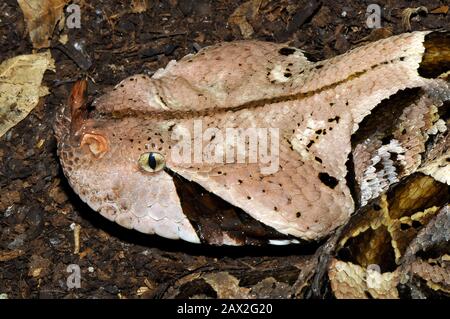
<point>440,10</point>
<point>226,285</point>
<point>410,12</point>
<point>239,17</point>
<point>20,87</point>
<point>139,6</point>
<point>9,255</point>
<point>41,17</point>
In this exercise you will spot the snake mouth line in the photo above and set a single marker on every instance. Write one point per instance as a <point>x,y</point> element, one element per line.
<point>215,220</point>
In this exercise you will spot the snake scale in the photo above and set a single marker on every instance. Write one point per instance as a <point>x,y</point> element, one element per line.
<point>340,134</point>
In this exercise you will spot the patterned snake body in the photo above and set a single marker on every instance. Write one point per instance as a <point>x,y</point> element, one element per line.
<point>339,133</point>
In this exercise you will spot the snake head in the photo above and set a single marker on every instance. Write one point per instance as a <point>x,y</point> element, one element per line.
<point>119,177</point>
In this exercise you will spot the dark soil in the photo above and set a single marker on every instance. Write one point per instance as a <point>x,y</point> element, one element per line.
<point>37,207</point>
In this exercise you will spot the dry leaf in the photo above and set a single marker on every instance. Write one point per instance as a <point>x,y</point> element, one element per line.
<point>226,286</point>
<point>9,255</point>
<point>139,6</point>
<point>239,17</point>
<point>20,86</point>
<point>408,13</point>
<point>440,10</point>
<point>41,17</point>
<point>63,39</point>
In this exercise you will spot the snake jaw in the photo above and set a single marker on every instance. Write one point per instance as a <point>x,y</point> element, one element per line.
<point>103,170</point>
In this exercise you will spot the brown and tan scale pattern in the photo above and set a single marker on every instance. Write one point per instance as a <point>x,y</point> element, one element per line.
<point>317,108</point>
<point>412,227</point>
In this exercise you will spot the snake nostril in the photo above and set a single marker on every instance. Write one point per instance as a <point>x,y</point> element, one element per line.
<point>98,144</point>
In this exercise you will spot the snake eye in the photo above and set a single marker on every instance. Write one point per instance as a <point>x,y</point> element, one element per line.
<point>151,162</point>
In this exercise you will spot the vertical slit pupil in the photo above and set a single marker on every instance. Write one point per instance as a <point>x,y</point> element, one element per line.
<point>152,161</point>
